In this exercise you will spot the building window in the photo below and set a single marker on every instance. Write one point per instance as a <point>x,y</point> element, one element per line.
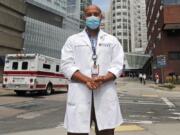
<point>118,20</point>
<point>174,55</point>
<point>125,33</point>
<point>124,13</point>
<point>119,33</point>
<point>125,45</point>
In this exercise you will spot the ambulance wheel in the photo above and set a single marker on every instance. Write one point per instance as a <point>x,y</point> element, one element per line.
<point>20,93</point>
<point>49,89</point>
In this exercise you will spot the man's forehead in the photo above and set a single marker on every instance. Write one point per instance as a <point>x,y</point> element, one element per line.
<point>92,8</point>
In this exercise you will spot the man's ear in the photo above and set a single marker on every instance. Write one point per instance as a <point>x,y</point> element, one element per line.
<point>84,17</point>
<point>102,16</point>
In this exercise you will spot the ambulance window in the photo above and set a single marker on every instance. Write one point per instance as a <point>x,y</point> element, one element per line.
<point>15,65</point>
<point>24,65</point>
<point>46,66</point>
<point>57,68</point>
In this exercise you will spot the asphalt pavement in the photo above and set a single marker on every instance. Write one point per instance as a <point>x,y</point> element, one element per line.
<point>155,129</point>
<point>147,109</point>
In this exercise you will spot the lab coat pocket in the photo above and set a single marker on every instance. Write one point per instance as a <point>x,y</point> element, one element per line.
<point>71,94</point>
<point>82,55</point>
<point>110,93</point>
<point>81,49</point>
<point>105,48</point>
<point>78,93</point>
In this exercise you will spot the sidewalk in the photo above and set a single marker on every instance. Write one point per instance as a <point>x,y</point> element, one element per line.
<point>150,129</point>
<point>4,91</point>
<point>135,88</point>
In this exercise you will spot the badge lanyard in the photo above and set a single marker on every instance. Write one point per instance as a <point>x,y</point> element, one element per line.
<point>95,68</point>
<point>94,56</point>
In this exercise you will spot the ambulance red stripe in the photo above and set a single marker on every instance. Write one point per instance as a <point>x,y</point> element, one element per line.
<point>33,73</point>
<point>54,86</point>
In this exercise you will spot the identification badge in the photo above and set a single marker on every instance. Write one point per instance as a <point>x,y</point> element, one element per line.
<point>94,57</point>
<point>95,70</point>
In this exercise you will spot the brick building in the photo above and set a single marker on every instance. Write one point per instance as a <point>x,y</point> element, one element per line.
<point>163,24</point>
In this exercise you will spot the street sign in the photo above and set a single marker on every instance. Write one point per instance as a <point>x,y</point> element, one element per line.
<point>161,61</point>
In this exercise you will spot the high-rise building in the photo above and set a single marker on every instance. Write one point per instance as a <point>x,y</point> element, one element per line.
<point>129,24</point>
<point>121,23</point>
<point>73,8</point>
<point>163,23</point>
<point>72,15</point>
<point>47,26</point>
<point>12,26</point>
<point>138,26</point>
<point>108,20</point>
<point>83,4</point>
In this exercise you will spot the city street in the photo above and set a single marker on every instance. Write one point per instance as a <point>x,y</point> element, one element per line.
<point>142,106</point>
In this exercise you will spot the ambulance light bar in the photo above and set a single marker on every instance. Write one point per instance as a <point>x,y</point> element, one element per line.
<point>20,56</point>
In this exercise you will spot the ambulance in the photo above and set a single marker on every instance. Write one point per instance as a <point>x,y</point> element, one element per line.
<point>33,72</point>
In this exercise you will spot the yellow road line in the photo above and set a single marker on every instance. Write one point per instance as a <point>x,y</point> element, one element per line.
<point>125,128</point>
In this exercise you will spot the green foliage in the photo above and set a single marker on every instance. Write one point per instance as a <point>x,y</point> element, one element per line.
<point>168,85</point>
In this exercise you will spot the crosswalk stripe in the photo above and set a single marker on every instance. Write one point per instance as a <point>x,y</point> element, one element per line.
<point>169,103</point>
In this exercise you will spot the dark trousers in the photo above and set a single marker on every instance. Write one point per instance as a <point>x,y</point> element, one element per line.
<point>93,119</point>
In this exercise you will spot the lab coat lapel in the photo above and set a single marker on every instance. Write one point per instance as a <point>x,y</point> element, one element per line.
<point>100,37</point>
<point>85,38</point>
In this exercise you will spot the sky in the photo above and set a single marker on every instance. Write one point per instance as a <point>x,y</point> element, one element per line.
<point>103,4</point>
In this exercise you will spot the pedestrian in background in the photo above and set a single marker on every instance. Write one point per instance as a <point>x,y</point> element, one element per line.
<point>92,60</point>
<point>144,78</point>
<point>140,77</point>
<point>156,78</point>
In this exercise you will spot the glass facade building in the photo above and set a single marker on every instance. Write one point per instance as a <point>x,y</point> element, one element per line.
<point>48,27</point>
<point>44,38</point>
<point>83,4</point>
<point>171,2</point>
<point>55,6</point>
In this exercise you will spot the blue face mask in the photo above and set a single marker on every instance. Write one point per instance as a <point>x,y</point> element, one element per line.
<point>93,22</point>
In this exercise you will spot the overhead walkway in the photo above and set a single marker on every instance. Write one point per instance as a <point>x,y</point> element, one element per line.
<point>135,61</point>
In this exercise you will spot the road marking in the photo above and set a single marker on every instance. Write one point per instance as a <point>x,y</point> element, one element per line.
<point>167,102</point>
<point>176,113</point>
<point>139,121</point>
<point>141,103</point>
<point>171,110</point>
<point>138,116</point>
<point>60,125</point>
<point>155,96</point>
<point>175,118</point>
<point>149,112</point>
<point>126,128</point>
<point>30,115</point>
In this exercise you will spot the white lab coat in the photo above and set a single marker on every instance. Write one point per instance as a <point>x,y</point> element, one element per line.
<point>77,55</point>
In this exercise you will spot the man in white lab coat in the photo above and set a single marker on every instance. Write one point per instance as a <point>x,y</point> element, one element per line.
<point>92,60</point>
